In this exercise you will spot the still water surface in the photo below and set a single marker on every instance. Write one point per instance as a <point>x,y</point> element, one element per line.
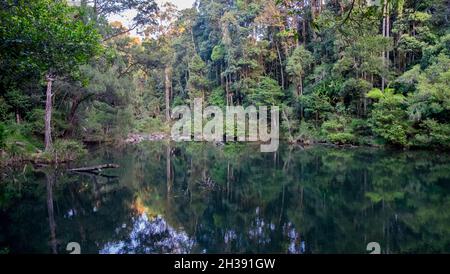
<point>199,198</point>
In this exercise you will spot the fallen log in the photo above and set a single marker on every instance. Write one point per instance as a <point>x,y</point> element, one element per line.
<point>94,168</point>
<point>96,173</point>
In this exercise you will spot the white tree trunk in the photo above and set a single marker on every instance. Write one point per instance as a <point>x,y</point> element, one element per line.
<point>168,84</point>
<point>48,114</point>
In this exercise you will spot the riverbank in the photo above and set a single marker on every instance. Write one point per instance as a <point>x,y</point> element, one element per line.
<point>63,151</point>
<point>66,151</point>
<point>136,138</point>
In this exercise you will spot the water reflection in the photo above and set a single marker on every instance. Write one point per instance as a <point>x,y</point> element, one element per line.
<point>198,198</point>
<point>50,179</point>
<point>149,236</point>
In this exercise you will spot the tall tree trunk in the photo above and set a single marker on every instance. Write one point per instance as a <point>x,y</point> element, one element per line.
<point>301,86</point>
<point>281,65</point>
<point>168,84</point>
<point>289,125</point>
<point>18,117</point>
<point>386,27</point>
<point>304,30</point>
<point>300,96</point>
<point>313,9</point>
<point>48,114</point>
<point>76,102</point>
<point>193,40</point>
<point>227,88</point>
<point>316,7</point>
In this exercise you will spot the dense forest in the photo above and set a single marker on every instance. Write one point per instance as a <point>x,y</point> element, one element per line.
<point>348,72</point>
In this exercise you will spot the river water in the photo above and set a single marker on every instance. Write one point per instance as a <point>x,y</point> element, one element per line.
<point>202,198</point>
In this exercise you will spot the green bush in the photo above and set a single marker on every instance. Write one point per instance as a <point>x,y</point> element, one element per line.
<point>17,140</point>
<point>433,134</point>
<point>151,125</point>
<point>63,151</point>
<point>360,127</point>
<point>362,131</point>
<point>341,138</point>
<point>389,119</point>
<point>307,133</point>
<point>4,110</point>
<point>334,126</point>
<point>338,131</point>
<point>217,97</point>
<point>36,122</point>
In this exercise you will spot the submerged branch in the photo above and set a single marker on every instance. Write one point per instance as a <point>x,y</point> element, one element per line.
<point>94,168</point>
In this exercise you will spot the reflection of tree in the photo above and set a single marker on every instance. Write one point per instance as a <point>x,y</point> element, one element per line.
<point>50,178</point>
<point>61,207</point>
<point>149,236</point>
<point>235,199</point>
<point>330,198</point>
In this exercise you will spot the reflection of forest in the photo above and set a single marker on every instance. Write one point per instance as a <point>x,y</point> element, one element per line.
<point>232,199</point>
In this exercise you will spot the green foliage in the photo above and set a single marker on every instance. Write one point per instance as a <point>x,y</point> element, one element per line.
<point>354,87</point>
<point>390,87</point>
<point>68,149</point>
<point>421,119</point>
<point>337,131</point>
<point>36,122</point>
<point>341,138</point>
<point>43,35</point>
<point>217,97</point>
<point>316,105</point>
<point>432,53</point>
<point>362,57</point>
<point>299,62</point>
<point>103,122</point>
<point>375,94</point>
<point>410,44</point>
<point>266,93</point>
<point>432,99</point>
<point>4,109</point>
<point>63,151</point>
<point>198,83</point>
<point>338,124</point>
<point>17,141</point>
<point>218,53</point>
<point>432,134</point>
<point>307,133</point>
<point>362,130</point>
<point>377,197</point>
<point>151,125</point>
<point>17,101</point>
<point>390,120</point>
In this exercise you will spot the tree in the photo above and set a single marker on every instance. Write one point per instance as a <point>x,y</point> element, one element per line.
<point>389,117</point>
<point>316,104</point>
<point>297,65</point>
<point>144,10</point>
<point>198,84</point>
<point>46,36</point>
<point>164,32</point>
<point>267,92</point>
<point>432,97</point>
